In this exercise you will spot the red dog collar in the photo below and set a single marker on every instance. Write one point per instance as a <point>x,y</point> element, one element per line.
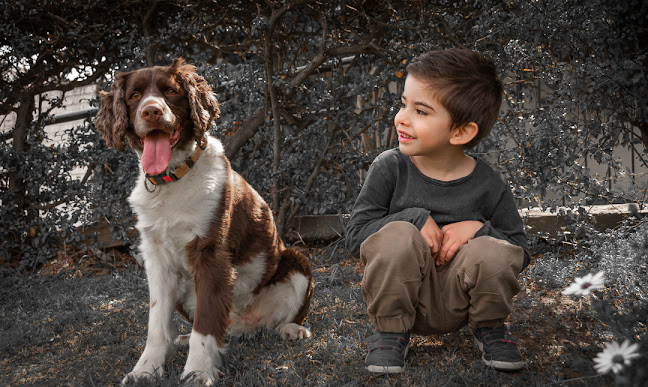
<point>181,170</point>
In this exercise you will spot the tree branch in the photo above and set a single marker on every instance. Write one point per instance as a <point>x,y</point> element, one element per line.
<point>325,54</point>
<point>245,132</point>
<point>313,176</point>
<point>100,71</point>
<point>146,29</point>
<point>276,120</point>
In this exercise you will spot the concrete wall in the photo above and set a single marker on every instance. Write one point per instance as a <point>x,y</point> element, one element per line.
<point>65,117</point>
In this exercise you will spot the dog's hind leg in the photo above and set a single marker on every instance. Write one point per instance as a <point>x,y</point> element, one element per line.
<point>302,280</point>
<point>278,306</point>
<point>283,304</point>
<point>292,331</point>
<point>296,307</point>
<point>182,340</point>
<point>186,306</point>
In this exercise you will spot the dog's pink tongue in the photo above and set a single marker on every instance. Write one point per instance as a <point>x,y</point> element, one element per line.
<point>157,152</point>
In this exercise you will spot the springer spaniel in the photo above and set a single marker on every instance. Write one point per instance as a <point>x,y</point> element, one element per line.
<point>210,246</point>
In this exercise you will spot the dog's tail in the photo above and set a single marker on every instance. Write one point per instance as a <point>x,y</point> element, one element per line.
<point>294,260</point>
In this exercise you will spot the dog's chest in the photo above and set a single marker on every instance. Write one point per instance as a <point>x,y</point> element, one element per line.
<point>175,215</point>
<point>178,212</point>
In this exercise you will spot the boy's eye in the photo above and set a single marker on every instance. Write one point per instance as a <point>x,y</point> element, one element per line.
<point>421,112</point>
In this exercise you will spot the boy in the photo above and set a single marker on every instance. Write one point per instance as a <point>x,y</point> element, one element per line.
<point>437,230</point>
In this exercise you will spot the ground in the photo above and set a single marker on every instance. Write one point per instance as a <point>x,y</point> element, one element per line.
<point>81,320</point>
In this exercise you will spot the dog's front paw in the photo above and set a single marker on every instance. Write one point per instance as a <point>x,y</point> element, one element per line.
<point>149,365</point>
<point>293,331</point>
<point>201,371</point>
<point>139,374</point>
<point>207,378</point>
<point>203,359</point>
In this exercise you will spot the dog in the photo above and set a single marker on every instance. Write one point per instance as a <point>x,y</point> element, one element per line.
<point>208,240</point>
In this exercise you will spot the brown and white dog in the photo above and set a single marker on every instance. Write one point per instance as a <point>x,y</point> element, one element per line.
<point>208,240</point>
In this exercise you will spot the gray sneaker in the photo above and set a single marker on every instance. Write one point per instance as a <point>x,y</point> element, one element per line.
<point>387,352</point>
<point>499,348</point>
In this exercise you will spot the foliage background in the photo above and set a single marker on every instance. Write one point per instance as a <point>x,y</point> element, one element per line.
<point>308,92</point>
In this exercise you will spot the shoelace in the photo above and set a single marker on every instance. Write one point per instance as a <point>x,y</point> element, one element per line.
<point>386,342</point>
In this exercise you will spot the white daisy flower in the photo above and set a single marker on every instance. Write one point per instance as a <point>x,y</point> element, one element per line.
<point>614,357</point>
<point>583,286</point>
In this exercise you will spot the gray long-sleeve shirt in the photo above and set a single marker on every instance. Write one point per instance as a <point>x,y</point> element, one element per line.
<point>395,190</point>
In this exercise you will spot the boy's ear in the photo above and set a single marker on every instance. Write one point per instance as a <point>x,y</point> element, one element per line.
<point>464,134</point>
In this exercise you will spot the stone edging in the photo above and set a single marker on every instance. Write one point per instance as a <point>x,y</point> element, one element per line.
<point>311,228</point>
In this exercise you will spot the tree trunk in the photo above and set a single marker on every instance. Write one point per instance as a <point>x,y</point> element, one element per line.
<point>24,117</point>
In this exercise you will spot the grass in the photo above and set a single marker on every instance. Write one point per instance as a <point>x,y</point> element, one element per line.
<point>81,321</point>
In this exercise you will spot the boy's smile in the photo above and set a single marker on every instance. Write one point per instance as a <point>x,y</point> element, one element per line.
<point>404,137</point>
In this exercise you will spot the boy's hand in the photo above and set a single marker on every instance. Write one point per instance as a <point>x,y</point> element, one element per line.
<point>456,235</point>
<point>433,236</point>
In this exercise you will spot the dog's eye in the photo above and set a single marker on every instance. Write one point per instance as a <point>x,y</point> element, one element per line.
<point>171,91</point>
<point>134,95</point>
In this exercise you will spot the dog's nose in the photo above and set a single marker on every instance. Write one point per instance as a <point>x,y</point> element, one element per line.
<point>151,113</point>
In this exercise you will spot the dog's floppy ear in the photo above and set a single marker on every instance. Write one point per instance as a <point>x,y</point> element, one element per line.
<point>112,119</point>
<point>202,101</point>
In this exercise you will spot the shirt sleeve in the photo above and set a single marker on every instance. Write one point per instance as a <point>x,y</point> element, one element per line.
<point>506,224</point>
<point>371,210</point>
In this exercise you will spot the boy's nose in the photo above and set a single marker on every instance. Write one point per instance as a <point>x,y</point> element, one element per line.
<point>401,118</point>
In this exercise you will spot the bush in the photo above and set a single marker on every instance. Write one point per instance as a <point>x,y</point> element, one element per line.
<point>619,298</point>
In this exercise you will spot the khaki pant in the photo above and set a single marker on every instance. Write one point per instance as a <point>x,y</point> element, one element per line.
<point>406,291</point>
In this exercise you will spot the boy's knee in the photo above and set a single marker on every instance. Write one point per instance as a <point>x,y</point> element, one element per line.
<point>396,248</point>
<point>398,229</point>
<point>494,253</point>
<point>396,243</point>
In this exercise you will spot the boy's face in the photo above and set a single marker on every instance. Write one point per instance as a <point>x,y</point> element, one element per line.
<point>423,125</point>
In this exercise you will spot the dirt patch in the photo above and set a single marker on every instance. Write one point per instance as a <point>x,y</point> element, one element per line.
<point>76,263</point>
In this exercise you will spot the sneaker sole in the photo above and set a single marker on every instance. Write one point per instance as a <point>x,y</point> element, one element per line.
<point>384,370</point>
<point>499,365</point>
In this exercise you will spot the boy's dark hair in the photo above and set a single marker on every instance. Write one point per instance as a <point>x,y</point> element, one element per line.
<point>466,84</point>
